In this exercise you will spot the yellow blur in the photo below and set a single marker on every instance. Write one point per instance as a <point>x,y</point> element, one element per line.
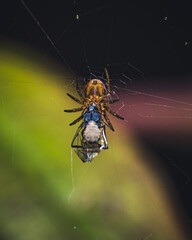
<point>47,192</point>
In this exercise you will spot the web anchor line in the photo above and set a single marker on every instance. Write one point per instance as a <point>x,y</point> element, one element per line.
<point>47,36</point>
<point>72,178</point>
<point>154,96</point>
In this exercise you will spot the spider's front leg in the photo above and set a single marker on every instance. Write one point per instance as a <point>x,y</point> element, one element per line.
<point>75,99</point>
<point>108,81</point>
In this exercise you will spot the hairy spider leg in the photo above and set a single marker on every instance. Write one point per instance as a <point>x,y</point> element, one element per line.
<point>113,101</point>
<point>113,113</point>
<point>76,120</point>
<point>108,121</point>
<point>103,97</point>
<point>75,99</point>
<point>108,81</point>
<point>74,109</point>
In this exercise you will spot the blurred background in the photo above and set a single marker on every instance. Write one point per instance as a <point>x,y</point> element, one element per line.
<point>141,187</point>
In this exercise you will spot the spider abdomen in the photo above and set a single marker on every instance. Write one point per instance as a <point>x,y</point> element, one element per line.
<point>95,89</point>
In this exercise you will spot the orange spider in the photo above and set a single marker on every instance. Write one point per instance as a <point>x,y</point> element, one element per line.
<point>95,94</point>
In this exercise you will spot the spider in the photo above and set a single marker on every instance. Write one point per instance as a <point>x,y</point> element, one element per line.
<point>97,95</point>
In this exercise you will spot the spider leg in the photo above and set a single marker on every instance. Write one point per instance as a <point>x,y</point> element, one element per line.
<point>108,121</point>
<point>113,113</point>
<point>108,81</point>
<point>76,120</point>
<point>74,98</point>
<point>74,110</point>
<point>103,97</point>
<point>114,101</point>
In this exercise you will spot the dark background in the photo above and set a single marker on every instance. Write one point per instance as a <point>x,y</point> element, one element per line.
<point>142,39</point>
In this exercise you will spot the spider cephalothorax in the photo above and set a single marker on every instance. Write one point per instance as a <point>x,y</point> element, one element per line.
<point>97,94</point>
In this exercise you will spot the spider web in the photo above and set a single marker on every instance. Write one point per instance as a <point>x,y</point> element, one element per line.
<point>153,82</point>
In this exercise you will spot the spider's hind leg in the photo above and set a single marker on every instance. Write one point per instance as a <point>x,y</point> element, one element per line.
<point>76,120</point>
<point>113,113</point>
<point>114,101</point>
<point>108,122</point>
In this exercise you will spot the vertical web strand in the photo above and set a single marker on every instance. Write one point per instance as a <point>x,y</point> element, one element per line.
<point>72,179</point>
<point>47,36</point>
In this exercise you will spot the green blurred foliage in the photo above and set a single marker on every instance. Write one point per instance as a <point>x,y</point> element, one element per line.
<point>115,197</point>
